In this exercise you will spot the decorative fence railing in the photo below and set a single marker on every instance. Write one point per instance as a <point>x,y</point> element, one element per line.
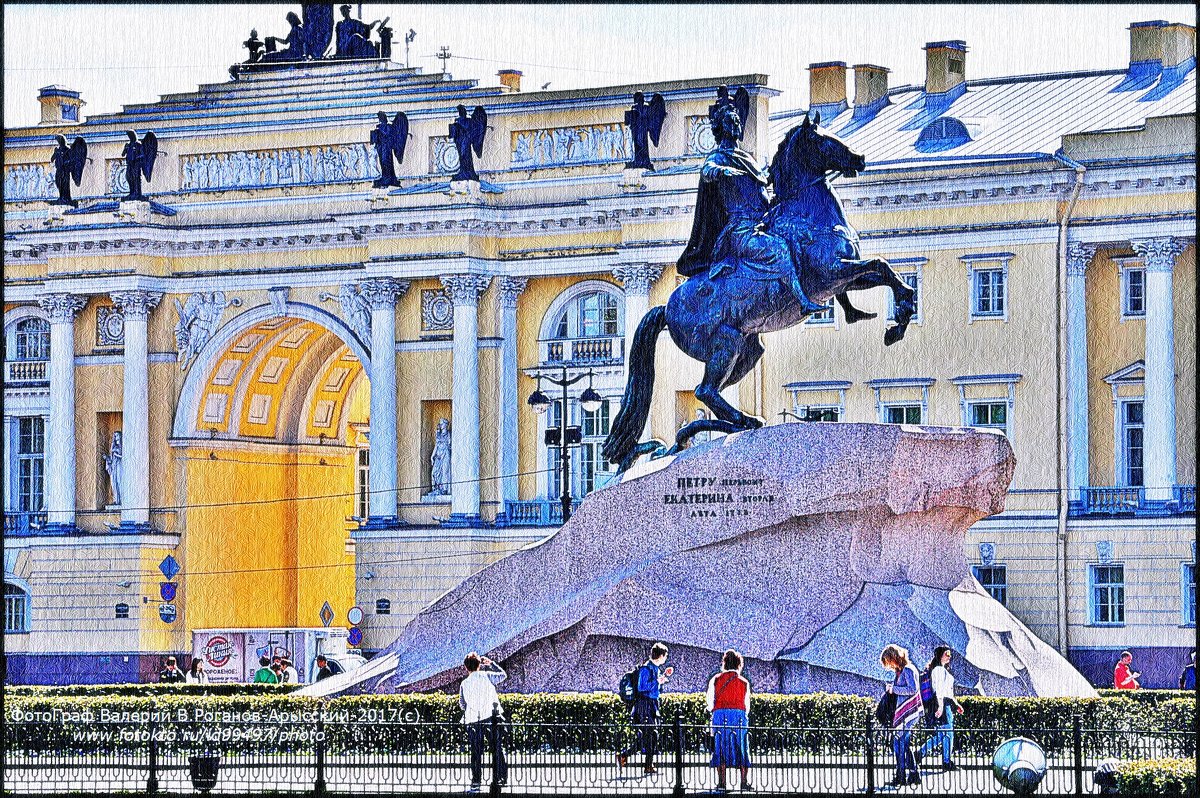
<point>24,522</point>
<point>326,755</point>
<point>1133,501</point>
<point>536,512</point>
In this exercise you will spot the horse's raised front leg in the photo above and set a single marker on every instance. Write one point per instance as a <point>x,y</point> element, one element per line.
<point>852,313</point>
<point>880,272</point>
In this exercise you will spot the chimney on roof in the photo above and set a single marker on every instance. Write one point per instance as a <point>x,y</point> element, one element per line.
<point>1178,44</point>
<point>60,105</point>
<point>870,84</point>
<point>1146,42</point>
<point>827,87</point>
<point>945,66</point>
<point>510,79</point>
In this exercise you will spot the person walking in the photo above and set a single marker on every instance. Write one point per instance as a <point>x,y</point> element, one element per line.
<point>195,673</point>
<point>264,674</point>
<point>908,711</point>
<point>290,674</point>
<point>943,689</point>
<point>171,673</point>
<point>1187,679</point>
<point>728,701</point>
<point>651,677</point>
<point>1125,677</point>
<point>477,698</point>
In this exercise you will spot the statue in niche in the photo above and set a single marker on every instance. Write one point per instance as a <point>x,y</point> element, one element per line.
<point>199,318</point>
<point>112,464</point>
<point>68,165</point>
<point>139,162</point>
<point>354,37</point>
<point>389,140</point>
<point>439,461</point>
<point>467,134</point>
<point>645,122</point>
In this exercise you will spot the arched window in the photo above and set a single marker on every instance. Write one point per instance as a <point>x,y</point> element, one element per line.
<point>16,609</point>
<point>32,340</point>
<point>592,315</point>
<point>942,134</point>
<point>587,328</point>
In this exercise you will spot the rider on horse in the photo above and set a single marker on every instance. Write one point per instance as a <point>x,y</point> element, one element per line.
<point>730,205</point>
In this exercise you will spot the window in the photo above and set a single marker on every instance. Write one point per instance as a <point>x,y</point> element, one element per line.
<point>913,280</point>
<point>31,448</point>
<point>33,340</point>
<point>383,607</point>
<point>1132,433</point>
<point>589,469</point>
<point>902,414</point>
<point>942,134</point>
<point>363,492</point>
<point>991,415</point>
<point>16,609</point>
<point>592,315</point>
<point>819,413</point>
<point>822,316</point>
<point>1133,292</point>
<point>987,292</point>
<point>1189,593</point>
<point>993,579</point>
<point>1106,594</point>
<point>122,611</point>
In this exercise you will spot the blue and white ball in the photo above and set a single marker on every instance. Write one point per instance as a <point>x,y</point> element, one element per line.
<point>1020,765</point>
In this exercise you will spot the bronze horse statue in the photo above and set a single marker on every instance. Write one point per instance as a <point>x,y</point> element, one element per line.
<point>754,266</point>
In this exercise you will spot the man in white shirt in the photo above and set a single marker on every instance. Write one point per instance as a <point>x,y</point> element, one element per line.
<point>477,697</point>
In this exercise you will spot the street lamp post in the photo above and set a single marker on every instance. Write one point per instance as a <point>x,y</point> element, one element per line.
<point>590,401</point>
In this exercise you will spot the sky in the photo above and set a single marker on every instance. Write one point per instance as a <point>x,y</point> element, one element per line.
<point>125,54</point>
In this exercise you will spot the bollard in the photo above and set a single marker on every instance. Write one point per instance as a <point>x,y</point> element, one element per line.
<point>1077,751</point>
<point>678,757</point>
<point>870,741</point>
<point>494,789</point>
<point>152,778</point>
<point>319,784</point>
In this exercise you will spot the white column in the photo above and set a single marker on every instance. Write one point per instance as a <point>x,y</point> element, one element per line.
<point>508,289</point>
<point>1078,257</point>
<point>1159,410</point>
<point>637,278</point>
<point>464,291</point>
<point>60,438</point>
<point>381,295</point>
<point>135,306</point>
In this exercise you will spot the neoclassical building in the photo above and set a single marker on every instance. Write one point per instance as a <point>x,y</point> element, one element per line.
<point>248,374</point>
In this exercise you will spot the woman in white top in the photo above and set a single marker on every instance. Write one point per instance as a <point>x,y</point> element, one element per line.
<point>195,673</point>
<point>942,682</point>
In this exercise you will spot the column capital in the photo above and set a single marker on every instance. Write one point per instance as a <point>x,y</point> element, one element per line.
<point>136,304</point>
<point>638,277</point>
<point>381,293</point>
<point>62,307</point>
<point>1159,253</point>
<point>464,289</point>
<point>508,289</point>
<point>1079,255</point>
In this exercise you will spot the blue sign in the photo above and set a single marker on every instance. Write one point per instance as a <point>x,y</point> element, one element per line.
<point>167,613</point>
<point>169,567</point>
<point>168,590</point>
<point>355,636</point>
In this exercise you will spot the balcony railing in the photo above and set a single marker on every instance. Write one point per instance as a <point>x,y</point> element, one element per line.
<point>1106,500</point>
<point>23,522</point>
<point>536,512</point>
<point>25,371</point>
<point>584,351</point>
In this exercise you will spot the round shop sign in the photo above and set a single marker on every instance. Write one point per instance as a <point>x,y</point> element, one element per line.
<point>355,616</point>
<point>218,651</point>
<point>355,637</point>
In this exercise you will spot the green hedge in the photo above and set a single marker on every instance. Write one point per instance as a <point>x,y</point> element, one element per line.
<point>580,721</point>
<point>1158,777</point>
<point>151,689</point>
<point>1152,697</point>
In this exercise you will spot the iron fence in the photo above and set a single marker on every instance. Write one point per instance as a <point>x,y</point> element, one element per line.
<point>338,756</point>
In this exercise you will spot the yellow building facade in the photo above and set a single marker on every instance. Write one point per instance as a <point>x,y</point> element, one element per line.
<point>272,344</point>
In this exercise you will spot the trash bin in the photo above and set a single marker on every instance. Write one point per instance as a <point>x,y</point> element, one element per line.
<point>203,770</point>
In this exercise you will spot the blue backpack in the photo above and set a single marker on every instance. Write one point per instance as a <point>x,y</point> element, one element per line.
<point>628,687</point>
<point>928,697</point>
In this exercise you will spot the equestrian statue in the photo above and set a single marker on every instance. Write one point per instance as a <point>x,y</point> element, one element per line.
<point>754,265</point>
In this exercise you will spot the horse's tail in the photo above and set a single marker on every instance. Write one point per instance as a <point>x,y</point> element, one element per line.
<point>635,406</point>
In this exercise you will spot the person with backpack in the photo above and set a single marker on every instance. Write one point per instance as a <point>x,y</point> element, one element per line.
<point>645,687</point>
<point>728,700</point>
<point>940,681</point>
<point>908,712</point>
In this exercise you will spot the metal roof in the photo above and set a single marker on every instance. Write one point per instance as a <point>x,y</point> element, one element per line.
<point>1007,117</point>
